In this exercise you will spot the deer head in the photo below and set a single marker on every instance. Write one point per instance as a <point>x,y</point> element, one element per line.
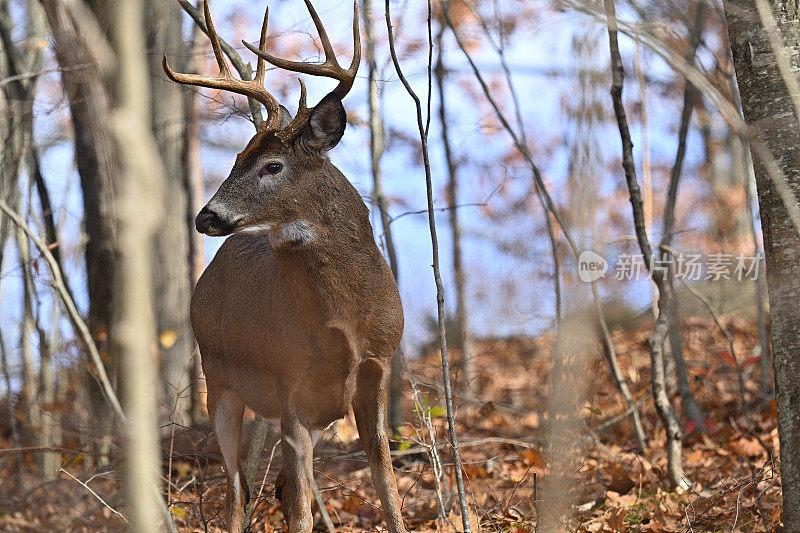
<point>273,180</point>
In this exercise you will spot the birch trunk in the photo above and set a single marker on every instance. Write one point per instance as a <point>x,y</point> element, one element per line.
<point>771,114</point>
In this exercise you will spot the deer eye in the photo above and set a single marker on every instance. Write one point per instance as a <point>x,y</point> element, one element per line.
<point>271,168</point>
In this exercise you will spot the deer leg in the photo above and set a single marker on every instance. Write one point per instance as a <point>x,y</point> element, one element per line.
<point>369,407</point>
<point>226,410</point>
<point>295,490</point>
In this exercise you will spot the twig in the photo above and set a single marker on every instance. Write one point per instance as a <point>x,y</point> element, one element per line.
<point>269,464</point>
<point>729,112</point>
<point>436,274</point>
<point>433,452</point>
<point>93,493</point>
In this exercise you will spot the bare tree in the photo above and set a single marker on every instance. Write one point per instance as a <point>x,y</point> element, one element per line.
<point>137,217</point>
<point>691,409</point>
<point>469,377</point>
<point>376,149</point>
<point>763,36</point>
<point>448,395</point>
<point>82,74</point>
<point>194,190</point>
<point>21,157</point>
<point>661,277</point>
<point>520,142</point>
<point>172,277</point>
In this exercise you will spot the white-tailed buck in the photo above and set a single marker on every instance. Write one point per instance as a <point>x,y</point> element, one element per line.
<point>297,315</point>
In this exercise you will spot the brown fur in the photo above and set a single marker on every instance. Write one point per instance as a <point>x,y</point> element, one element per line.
<point>302,332</point>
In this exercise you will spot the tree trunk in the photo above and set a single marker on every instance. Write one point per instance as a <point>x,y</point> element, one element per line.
<point>691,409</point>
<point>12,411</point>
<point>468,371</point>
<point>172,275</point>
<point>376,145</point>
<point>96,159</point>
<point>139,213</point>
<point>194,188</point>
<point>661,277</point>
<point>769,111</point>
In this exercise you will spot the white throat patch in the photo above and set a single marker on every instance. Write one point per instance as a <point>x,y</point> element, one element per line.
<point>293,234</point>
<point>256,229</point>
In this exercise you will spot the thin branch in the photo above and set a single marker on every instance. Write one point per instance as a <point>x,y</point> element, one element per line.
<point>242,67</point>
<point>436,273</point>
<point>97,496</point>
<point>81,329</point>
<point>520,142</point>
<point>38,73</point>
<point>661,277</point>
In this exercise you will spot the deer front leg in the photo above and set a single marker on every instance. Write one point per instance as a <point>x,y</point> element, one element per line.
<point>226,410</point>
<point>295,490</point>
<point>369,407</point>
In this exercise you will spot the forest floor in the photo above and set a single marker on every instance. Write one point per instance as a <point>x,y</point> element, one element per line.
<point>612,486</point>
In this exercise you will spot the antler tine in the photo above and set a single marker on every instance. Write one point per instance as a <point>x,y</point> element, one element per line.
<point>330,57</point>
<point>356,61</point>
<point>330,68</point>
<point>262,45</point>
<point>225,81</point>
<point>301,107</point>
<point>212,34</point>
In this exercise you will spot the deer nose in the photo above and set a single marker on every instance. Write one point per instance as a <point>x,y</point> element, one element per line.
<point>206,219</point>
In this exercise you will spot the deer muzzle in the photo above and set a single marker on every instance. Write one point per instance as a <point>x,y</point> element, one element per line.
<point>211,223</point>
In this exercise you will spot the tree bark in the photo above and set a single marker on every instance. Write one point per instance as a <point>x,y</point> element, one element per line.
<point>770,114</point>
<point>172,275</point>
<point>141,186</point>
<point>661,277</point>
<point>96,159</point>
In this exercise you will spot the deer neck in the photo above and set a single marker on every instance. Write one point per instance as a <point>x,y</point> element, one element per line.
<point>329,259</point>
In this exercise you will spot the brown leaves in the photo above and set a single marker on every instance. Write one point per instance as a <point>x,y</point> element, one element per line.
<point>614,489</point>
<point>745,447</point>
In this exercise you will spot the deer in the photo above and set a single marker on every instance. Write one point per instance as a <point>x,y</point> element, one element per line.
<point>298,314</point>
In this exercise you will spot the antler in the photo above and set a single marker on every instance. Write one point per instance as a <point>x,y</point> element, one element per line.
<point>330,68</point>
<point>225,81</point>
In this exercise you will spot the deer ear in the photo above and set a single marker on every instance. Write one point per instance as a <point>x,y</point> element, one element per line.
<point>286,117</point>
<point>326,124</point>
